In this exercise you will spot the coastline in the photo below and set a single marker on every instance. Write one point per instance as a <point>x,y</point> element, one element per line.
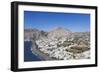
<point>41,55</point>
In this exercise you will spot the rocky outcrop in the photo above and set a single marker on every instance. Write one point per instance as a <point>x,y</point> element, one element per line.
<point>34,34</point>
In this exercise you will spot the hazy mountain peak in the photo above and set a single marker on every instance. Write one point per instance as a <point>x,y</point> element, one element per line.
<point>58,28</point>
<point>59,32</point>
<point>61,29</point>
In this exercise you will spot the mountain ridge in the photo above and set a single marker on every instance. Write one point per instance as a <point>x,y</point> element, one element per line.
<point>60,43</point>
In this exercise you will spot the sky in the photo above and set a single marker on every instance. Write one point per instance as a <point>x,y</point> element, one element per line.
<point>46,21</point>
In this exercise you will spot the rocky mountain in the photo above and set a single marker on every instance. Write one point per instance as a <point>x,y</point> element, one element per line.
<point>59,33</point>
<point>34,34</point>
<point>60,43</point>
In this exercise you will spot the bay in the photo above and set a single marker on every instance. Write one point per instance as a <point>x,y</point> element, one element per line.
<point>28,55</point>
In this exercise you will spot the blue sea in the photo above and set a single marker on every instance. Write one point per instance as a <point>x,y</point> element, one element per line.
<point>28,55</point>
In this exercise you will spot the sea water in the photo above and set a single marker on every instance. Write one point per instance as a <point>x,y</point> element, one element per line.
<point>28,55</point>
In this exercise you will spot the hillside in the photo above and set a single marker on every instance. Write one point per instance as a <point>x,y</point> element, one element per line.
<point>61,43</point>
